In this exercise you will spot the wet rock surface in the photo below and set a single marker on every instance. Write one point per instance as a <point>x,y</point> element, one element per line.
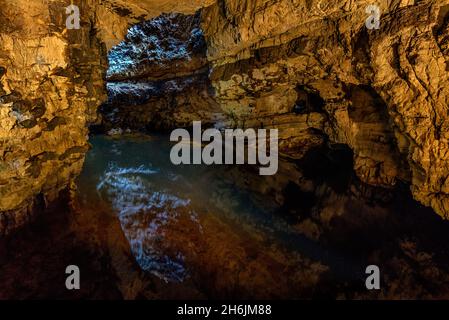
<point>266,70</point>
<point>159,106</point>
<point>381,92</point>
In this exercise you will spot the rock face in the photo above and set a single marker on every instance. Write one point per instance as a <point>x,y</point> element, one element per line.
<point>310,68</point>
<point>114,17</point>
<point>384,91</point>
<point>158,77</point>
<point>51,85</point>
<point>52,81</point>
<point>169,46</point>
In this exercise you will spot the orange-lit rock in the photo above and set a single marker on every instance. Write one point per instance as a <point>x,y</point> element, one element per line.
<point>381,92</point>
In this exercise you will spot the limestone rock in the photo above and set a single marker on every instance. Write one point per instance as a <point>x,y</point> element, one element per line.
<point>158,77</point>
<point>52,84</point>
<point>384,91</point>
<point>310,68</point>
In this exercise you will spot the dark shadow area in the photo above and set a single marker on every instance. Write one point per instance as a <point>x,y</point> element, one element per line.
<point>308,101</point>
<point>332,164</point>
<point>39,253</point>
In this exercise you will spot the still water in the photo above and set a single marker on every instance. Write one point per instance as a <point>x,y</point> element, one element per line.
<point>225,231</point>
<point>139,227</point>
<point>195,222</point>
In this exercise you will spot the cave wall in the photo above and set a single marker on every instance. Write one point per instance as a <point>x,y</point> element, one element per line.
<point>385,91</point>
<point>52,81</point>
<point>158,77</point>
<point>381,92</point>
<point>51,86</point>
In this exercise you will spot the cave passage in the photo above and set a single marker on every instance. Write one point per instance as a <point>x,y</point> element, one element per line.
<point>140,227</point>
<point>222,231</point>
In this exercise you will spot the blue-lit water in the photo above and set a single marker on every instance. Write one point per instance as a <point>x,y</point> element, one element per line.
<point>150,195</point>
<point>196,221</point>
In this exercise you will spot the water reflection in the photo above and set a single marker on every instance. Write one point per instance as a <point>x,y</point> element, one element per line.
<point>226,232</point>
<point>144,212</point>
<point>163,208</point>
<point>143,228</point>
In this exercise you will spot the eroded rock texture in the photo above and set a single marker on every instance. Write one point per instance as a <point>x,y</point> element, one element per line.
<point>51,85</point>
<point>114,17</point>
<point>384,91</point>
<point>310,68</point>
<point>158,77</point>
